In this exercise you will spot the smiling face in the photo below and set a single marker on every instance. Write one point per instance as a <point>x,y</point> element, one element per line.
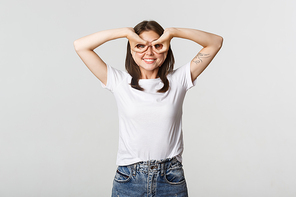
<point>149,61</point>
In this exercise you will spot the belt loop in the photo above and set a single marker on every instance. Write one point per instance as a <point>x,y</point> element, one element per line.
<point>134,169</point>
<point>162,168</point>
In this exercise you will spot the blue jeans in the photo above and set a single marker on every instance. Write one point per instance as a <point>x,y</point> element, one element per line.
<point>153,178</point>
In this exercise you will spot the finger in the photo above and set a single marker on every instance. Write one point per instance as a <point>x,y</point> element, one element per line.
<point>160,48</point>
<point>140,48</point>
<point>160,51</point>
<point>158,41</point>
<point>162,39</point>
<point>138,45</point>
<point>138,39</point>
<point>135,39</point>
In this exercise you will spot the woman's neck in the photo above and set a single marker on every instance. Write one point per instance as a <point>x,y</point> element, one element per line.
<point>149,74</point>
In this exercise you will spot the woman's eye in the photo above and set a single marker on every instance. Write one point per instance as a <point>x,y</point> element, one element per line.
<point>158,46</point>
<point>140,46</point>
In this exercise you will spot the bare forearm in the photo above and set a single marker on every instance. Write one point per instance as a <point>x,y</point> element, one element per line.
<point>205,39</point>
<point>94,40</point>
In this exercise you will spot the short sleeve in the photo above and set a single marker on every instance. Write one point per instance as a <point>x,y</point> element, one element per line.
<point>183,76</point>
<point>114,78</point>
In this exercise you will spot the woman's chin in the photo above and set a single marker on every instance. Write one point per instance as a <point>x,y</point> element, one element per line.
<point>149,68</point>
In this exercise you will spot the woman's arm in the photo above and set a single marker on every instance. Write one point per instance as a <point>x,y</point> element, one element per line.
<point>211,45</point>
<point>84,47</point>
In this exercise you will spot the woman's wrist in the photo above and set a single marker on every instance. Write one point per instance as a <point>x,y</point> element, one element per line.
<point>172,31</point>
<point>128,31</point>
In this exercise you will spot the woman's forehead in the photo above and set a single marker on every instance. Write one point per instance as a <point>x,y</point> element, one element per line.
<point>149,36</point>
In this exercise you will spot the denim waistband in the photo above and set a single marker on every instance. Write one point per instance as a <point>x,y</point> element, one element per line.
<point>156,162</point>
<point>159,165</point>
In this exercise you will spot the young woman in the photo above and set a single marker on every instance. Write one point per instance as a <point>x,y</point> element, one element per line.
<point>149,97</point>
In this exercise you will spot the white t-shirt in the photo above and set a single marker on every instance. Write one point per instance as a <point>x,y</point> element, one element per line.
<point>150,123</point>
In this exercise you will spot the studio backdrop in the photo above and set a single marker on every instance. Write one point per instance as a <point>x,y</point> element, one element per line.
<point>59,127</point>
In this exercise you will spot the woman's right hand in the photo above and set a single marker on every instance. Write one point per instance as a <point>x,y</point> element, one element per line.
<point>162,44</point>
<point>137,44</point>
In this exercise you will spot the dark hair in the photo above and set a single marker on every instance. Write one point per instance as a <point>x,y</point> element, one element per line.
<point>134,70</point>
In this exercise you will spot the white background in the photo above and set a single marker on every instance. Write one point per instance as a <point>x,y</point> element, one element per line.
<point>59,127</point>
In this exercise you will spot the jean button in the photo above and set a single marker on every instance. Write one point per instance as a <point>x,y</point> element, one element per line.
<point>153,167</point>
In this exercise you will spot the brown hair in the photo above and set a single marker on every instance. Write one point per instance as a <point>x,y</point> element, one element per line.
<point>134,70</point>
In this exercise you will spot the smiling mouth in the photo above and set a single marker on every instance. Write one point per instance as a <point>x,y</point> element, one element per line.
<point>149,61</point>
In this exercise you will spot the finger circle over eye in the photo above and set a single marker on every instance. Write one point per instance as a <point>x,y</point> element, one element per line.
<point>158,46</point>
<point>141,47</point>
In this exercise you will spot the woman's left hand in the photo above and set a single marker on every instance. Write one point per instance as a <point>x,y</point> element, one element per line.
<point>162,44</point>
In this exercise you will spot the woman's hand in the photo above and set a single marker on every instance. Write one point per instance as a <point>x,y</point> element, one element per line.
<point>137,44</point>
<point>162,44</point>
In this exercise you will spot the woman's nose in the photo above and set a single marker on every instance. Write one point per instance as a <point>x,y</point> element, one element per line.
<point>149,50</point>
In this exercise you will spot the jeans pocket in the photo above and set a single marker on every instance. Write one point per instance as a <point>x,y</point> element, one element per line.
<point>175,174</point>
<point>123,174</point>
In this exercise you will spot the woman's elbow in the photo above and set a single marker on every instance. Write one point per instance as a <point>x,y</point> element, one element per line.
<point>218,41</point>
<point>76,45</point>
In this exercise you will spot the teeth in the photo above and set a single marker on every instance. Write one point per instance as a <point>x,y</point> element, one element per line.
<point>149,60</point>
